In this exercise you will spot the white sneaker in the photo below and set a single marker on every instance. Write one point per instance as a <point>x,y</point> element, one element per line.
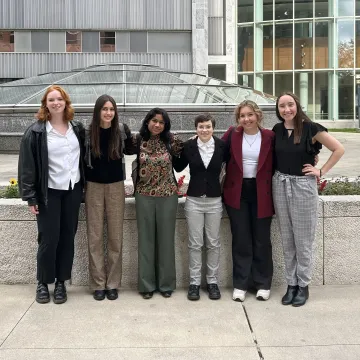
<point>239,295</point>
<point>263,295</point>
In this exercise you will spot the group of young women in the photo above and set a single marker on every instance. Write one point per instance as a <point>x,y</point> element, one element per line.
<point>265,169</point>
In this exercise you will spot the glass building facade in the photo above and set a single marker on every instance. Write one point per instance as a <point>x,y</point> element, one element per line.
<point>309,47</point>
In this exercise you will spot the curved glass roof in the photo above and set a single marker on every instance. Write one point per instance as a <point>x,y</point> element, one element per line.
<point>130,85</point>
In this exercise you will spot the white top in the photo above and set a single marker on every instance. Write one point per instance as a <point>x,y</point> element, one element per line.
<point>250,151</point>
<point>63,157</point>
<point>206,150</point>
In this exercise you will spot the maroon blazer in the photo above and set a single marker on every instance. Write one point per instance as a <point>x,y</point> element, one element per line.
<point>234,172</point>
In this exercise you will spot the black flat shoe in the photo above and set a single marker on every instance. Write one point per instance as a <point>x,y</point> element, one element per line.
<point>301,296</point>
<point>214,292</point>
<point>99,295</point>
<point>60,295</point>
<point>42,294</point>
<point>112,294</point>
<point>290,294</point>
<point>166,294</point>
<point>193,292</point>
<point>147,295</point>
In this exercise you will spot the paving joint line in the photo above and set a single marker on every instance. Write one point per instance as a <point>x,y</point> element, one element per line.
<point>258,349</point>
<point>16,324</point>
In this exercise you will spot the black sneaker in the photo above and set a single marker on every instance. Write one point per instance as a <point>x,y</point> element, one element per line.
<point>214,292</point>
<point>99,295</point>
<point>112,294</point>
<point>60,295</point>
<point>42,293</point>
<point>193,292</point>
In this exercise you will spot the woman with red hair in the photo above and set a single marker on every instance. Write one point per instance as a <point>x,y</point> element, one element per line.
<point>51,180</point>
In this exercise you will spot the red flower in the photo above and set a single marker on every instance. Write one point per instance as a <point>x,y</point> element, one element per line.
<point>322,185</point>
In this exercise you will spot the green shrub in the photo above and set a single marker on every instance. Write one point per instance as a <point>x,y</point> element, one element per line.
<point>11,191</point>
<point>341,186</point>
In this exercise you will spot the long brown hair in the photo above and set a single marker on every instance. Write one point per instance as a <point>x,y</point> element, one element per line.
<point>114,143</point>
<point>299,118</point>
<point>44,114</point>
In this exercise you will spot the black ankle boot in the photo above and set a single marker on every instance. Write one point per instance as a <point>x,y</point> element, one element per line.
<point>60,292</point>
<point>42,293</point>
<point>301,296</point>
<point>290,294</point>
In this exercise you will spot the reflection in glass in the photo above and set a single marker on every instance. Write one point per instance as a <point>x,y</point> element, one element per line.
<point>73,41</point>
<point>357,7</point>
<point>283,82</point>
<point>283,9</point>
<point>267,10</point>
<point>6,41</point>
<point>283,47</point>
<point>303,86</point>
<point>246,80</point>
<point>322,8</point>
<point>346,95</point>
<point>267,47</point>
<point>245,49</point>
<point>245,11</point>
<point>345,7</point>
<point>346,44</point>
<point>322,45</point>
<point>322,96</point>
<point>303,9</point>
<point>268,84</point>
<point>107,41</point>
<point>357,42</point>
<point>303,45</point>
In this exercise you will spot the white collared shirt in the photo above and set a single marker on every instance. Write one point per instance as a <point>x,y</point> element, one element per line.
<point>206,150</point>
<point>63,158</point>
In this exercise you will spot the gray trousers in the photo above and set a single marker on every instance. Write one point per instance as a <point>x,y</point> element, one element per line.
<point>203,213</point>
<point>296,205</point>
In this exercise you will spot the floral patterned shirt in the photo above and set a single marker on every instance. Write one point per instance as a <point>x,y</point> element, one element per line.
<point>156,176</point>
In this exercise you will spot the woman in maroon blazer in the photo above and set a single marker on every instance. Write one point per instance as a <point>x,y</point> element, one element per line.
<point>248,200</point>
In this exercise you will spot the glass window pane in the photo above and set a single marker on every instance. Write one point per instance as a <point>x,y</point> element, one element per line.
<point>40,41</point>
<point>322,45</point>
<point>245,49</point>
<point>216,36</point>
<point>345,7</point>
<point>346,95</point>
<point>268,7</point>
<point>245,11</point>
<point>217,71</point>
<point>57,41</point>
<point>268,84</point>
<point>90,41</point>
<point>303,45</point>
<point>6,41</point>
<point>22,41</point>
<point>346,44</point>
<point>169,42</point>
<point>304,90</point>
<point>122,41</point>
<point>322,89</point>
<point>357,7</point>
<point>107,41</point>
<point>246,80</point>
<point>283,47</point>
<point>303,9</point>
<point>357,97</point>
<point>283,9</point>
<point>357,37</point>
<point>73,41</point>
<point>138,42</point>
<point>322,8</point>
<point>268,37</point>
<point>283,82</point>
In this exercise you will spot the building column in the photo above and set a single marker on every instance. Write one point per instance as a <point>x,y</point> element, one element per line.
<point>200,52</point>
<point>258,46</point>
<point>304,90</point>
<point>230,38</point>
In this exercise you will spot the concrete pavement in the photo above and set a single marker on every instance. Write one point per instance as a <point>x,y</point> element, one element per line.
<point>327,327</point>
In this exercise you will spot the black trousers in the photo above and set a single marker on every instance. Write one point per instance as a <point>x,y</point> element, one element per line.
<point>251,243</point>
<point>57,225</point>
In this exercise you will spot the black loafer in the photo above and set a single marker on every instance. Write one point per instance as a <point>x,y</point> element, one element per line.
<point>291,291</point>
<point>214,292</point>
<point>99,295</point>
<point>301,296</point>
<point>166,294</point>
<point>112,294</point>
<point>193,292</point>
<point>42,294</point>
<point>147,295</point>
<point>60,295</point>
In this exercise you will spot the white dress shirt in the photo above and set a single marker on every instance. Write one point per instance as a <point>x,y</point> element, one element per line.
<point>251,151</point>
<point>63,158</point>
<point>206,150</point>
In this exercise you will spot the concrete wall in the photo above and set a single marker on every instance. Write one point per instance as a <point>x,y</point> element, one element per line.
<point>336,250</point>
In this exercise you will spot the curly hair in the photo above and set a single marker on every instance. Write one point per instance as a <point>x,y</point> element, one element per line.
<point>44,114</point>
<point>253,106</point>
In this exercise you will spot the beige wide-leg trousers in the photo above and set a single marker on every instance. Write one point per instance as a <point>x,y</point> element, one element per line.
<point>108,199</point>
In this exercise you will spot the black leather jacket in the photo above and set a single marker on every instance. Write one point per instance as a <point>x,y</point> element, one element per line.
<point>33,168</point>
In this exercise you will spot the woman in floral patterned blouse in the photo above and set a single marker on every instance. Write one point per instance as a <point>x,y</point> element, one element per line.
<point>156,204</point>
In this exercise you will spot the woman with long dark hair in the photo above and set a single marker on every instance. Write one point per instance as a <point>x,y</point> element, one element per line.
<point>51,180</point>
<point>156,204</point>
<point>297,141</point>
<point>105,194</point>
